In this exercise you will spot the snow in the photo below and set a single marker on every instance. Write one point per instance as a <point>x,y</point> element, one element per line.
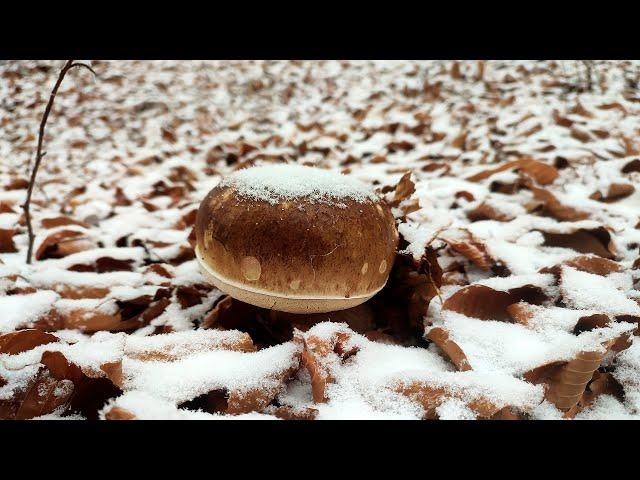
<point>200,373</point>
<point>274,183</point>
<point>228,116</point>
<point>589,291</point>
<point>17,311</point>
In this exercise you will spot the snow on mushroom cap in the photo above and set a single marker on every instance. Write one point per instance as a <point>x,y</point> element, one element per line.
<point>273,183</point>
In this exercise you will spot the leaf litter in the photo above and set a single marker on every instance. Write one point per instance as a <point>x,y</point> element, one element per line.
<point>514,294</point>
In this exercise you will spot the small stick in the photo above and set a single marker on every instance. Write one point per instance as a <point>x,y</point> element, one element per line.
<point>39,153</point>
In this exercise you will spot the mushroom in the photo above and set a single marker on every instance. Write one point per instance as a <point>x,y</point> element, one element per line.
<point>295,239</point>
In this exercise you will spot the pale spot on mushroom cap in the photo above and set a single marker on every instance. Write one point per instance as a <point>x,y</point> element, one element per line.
<point>294,284</point>
<point>364,269</point>
<point>250,268</point>
<point>208,240</point>
<point>380,210</point>
<point>383,266</point>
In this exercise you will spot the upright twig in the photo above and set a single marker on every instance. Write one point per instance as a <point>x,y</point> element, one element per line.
<point>39,153</point>
<point>588,73</point>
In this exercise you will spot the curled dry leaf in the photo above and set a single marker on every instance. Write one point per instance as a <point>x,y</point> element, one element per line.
<point>566,381</point>
<point>317,357</point>
<point>403,303</point>
<point>485,303</point>
<point>471,248</point>
<point>541,172</point>
<point>452,350</point>
<point>404,189</point>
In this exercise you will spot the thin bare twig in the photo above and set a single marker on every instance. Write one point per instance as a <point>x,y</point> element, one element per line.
<point>39,154</point>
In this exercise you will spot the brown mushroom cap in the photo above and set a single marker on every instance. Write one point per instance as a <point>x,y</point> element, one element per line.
<point>295,239</point>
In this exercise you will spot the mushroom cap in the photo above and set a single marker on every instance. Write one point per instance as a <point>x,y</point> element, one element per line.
<point>295,239</point>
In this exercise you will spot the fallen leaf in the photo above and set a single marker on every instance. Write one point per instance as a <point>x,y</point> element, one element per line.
<point>6,240</point>
<point>452,350</point>
<point>596,241</point>
<point>615,192</point>
<point>541,172</point>
<point>485,303</point>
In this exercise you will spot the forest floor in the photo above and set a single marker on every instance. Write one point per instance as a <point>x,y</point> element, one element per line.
<point>515,293</point>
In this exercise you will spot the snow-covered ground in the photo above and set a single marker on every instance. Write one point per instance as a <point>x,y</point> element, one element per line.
<point>514,295</point>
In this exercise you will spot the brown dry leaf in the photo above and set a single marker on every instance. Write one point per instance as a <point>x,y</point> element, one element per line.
<point>132,314</point>
<point>168,134</point>
<point>611,106</point>
<point>632,166</point>
<point>487,212</point>
<point>485,303</point>
<point>286,412</point>
<point>566,381</point>
<point>596,241</point>
<point>264,327</point>
<point>63,243</point>
<point>541,172</point>
<point>590,322</point>
<point>403,303</point>
<point>402,145</point>
<point>189,295</point>
<point>404,189</point>
<point>580,110</point>
<point>118,413</point>
<point>61,221</point>
<point>42,395</point>
<point>472,249</point>
<point>452,350</point>
<point>74,292</point>
<point>552,207</point>
<point>460,141</point>
<point>316,357</point>
<point>23,340</point>
<point>521,312</point>
<point>6,208</point>
<point>629,147</point>
<point>6,240</point>
<point>90,389</point>
<point>594,264</point>
<point>535,129</point>
<point>562,121</point>
<point>431,398</point>
<point>580,134</point>
<point>600,384</point>
<point>616,191</point>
